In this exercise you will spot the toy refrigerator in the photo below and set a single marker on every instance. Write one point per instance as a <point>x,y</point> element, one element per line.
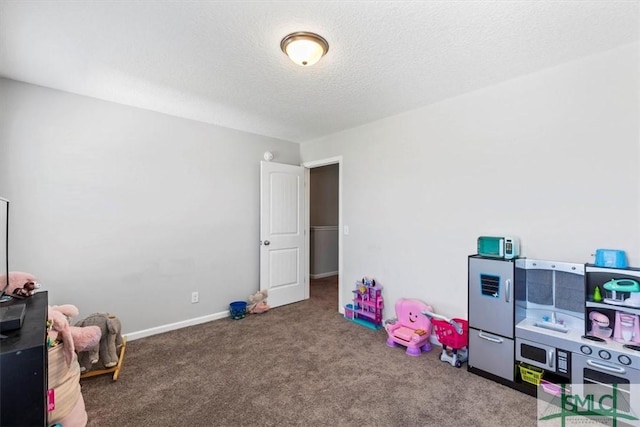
<point>491,317</point>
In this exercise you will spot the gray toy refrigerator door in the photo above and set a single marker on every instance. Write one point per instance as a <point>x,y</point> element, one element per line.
<point>491,305</point>
<point>491,353</point>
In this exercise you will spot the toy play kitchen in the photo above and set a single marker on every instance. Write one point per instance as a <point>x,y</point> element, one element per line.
<point>535,326</point>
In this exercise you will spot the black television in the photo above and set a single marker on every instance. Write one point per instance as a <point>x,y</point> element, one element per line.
<point>4,247</point>
<point>23,347</point>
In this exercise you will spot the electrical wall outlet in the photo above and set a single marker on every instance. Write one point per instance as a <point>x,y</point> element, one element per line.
<point>194,297</point>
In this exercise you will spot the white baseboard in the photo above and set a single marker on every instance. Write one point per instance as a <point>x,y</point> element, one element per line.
<point>173,326</point>
<point>323,275</point>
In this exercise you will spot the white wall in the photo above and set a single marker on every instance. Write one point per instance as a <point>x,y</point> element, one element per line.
<point>125,210</point>
<point>552,157</point>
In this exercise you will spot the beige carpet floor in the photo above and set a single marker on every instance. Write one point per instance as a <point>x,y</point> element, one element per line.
<point>298,365</point>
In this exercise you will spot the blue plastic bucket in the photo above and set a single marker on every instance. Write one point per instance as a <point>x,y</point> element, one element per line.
<point>238,310</point>
<point>348,311</point>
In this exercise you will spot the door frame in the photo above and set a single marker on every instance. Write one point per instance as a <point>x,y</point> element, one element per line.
<point>307,200</point>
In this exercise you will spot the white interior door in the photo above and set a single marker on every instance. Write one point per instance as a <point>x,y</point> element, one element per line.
<point>282,233</point>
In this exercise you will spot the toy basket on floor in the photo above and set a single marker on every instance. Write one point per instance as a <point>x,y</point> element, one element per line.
<point>531,374</point>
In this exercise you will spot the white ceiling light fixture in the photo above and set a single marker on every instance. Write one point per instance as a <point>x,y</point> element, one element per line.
<point>304,48</point>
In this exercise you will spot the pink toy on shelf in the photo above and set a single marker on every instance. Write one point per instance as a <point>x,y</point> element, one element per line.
<point>411,329</point>
<point>627,327</point>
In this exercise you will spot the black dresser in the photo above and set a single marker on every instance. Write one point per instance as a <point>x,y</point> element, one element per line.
<point>23,367</point>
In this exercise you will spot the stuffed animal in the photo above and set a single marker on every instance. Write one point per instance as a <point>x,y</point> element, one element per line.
<point>106,354</point>
<point>258,302</point>
<point>87,361</point>
<point>75,338</point>
<point>57,331</point>
<point>20,284</point>
<point>84,338</point>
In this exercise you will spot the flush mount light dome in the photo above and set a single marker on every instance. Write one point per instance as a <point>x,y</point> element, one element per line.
<point>304,48</point>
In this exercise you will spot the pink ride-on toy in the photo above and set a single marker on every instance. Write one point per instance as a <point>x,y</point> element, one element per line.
<point>411,329</point>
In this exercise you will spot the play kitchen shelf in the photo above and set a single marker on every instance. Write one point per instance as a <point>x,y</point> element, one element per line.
<point>612,336</point>
<point>613,304</point>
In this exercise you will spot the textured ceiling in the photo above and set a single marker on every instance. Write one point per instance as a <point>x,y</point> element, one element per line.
<point>220,61</point>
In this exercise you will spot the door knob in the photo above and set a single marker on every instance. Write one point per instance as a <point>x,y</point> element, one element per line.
<point>267,243</point>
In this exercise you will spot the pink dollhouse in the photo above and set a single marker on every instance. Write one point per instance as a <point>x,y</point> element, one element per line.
<point>366,308</point>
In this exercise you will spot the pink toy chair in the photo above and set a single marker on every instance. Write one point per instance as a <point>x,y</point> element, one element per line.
<point>411,329</point>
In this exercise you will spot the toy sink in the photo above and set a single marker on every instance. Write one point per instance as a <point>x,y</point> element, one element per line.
<point>553,326</point>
